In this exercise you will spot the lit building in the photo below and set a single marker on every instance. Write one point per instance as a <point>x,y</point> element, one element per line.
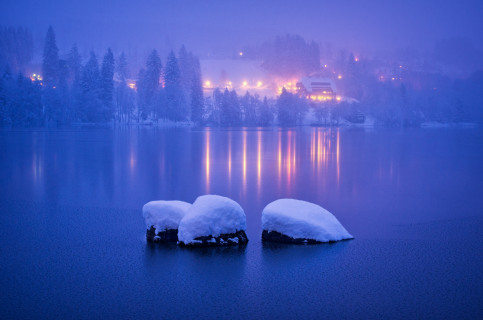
<point>318,89</point>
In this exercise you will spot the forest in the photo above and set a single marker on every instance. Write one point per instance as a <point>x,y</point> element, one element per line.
<point>72,90</point>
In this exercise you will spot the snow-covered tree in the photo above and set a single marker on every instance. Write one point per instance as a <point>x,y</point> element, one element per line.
<point>124,99</point>
<point>107,86</point>
<point>177,108</point>
<point>148,86</point>
<point>90,84</point>
<point>50,62</point>
<point>265,114</point>
<point>291,109</point>
<point>196,95</point>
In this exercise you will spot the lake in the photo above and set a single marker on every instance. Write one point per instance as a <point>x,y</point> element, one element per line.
<point>73,237</point>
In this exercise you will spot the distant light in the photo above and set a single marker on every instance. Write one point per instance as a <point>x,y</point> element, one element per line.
<point>35,75</point>
<point>207,83</point>
<point>313,97</point>
<point>245,83</point>
<point>229,83</point>
<point>393,78</point>
<point>131,85</point>
<point>338,98</point>
<point>325,66</point>
<point>356,59</point>
<point>339,77</point>
<point>400,66</point>
<point>241,53</point>
<point>259,84</point>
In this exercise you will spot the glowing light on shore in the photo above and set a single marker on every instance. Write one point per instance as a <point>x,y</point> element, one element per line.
<point>241,54</point>
<point>207,84</point>
<point>338,98</point>
<point>245,84</point>
<point>339,76</point>
<point>259,84</point>
<point>36,77</point>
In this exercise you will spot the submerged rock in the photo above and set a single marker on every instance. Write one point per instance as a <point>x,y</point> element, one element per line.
<point>274,236</point>
<point>226,239</point>
<point>156,235</point>
<point>213,221</point>
<point>162,219</point>
<point>300,222</point>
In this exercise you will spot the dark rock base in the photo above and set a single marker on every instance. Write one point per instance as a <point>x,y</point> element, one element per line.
<point>168,235</point>
<point>274,236</point>
<point>226,239</point>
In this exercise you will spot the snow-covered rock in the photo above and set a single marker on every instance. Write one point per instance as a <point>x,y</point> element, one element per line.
<point>213,221</point>
<point>162,219</point>
<point>297,221</point>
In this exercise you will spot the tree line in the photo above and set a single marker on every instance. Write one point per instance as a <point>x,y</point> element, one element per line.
<point>70,91</point>
<point>97,91</point>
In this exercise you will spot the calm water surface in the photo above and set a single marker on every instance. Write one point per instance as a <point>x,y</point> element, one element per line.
<point>72,234</point>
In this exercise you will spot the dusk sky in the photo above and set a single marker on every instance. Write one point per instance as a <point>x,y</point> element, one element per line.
<point>213,26</point>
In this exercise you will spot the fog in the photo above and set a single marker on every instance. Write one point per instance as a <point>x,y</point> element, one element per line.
<point>239,63</point>
<point>210,27</point>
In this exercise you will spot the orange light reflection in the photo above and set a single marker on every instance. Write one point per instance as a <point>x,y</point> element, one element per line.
<point>207,160</point>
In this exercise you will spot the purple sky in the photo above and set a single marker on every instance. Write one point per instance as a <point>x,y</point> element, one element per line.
<point>210,26</point>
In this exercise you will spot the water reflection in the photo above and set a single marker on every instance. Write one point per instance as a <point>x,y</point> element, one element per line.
<point>259,160</point>
<point>229,157</point>
<point>207,160</point>
<point>244,161</point>
<point>126,168</point>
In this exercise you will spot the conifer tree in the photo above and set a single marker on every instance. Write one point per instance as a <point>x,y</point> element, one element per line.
<point>265,115</point>
<point>149,85</point>
<point>286,114</point>
<point>177,109</point>
<point>185,68</point>
<point>91,104</point>
<point>107,85</point>
<point>197,100</point>
<point>74,65</point>
<point>230,109</point>
<point>50,62</point>
<point>124,95</point>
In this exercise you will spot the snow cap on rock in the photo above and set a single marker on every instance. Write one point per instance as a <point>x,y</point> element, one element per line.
<point>211,215</point>
<point>302,220</point>
<point>164,215</point>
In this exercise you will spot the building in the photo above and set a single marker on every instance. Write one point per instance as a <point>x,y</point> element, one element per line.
<point>318,89</point>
